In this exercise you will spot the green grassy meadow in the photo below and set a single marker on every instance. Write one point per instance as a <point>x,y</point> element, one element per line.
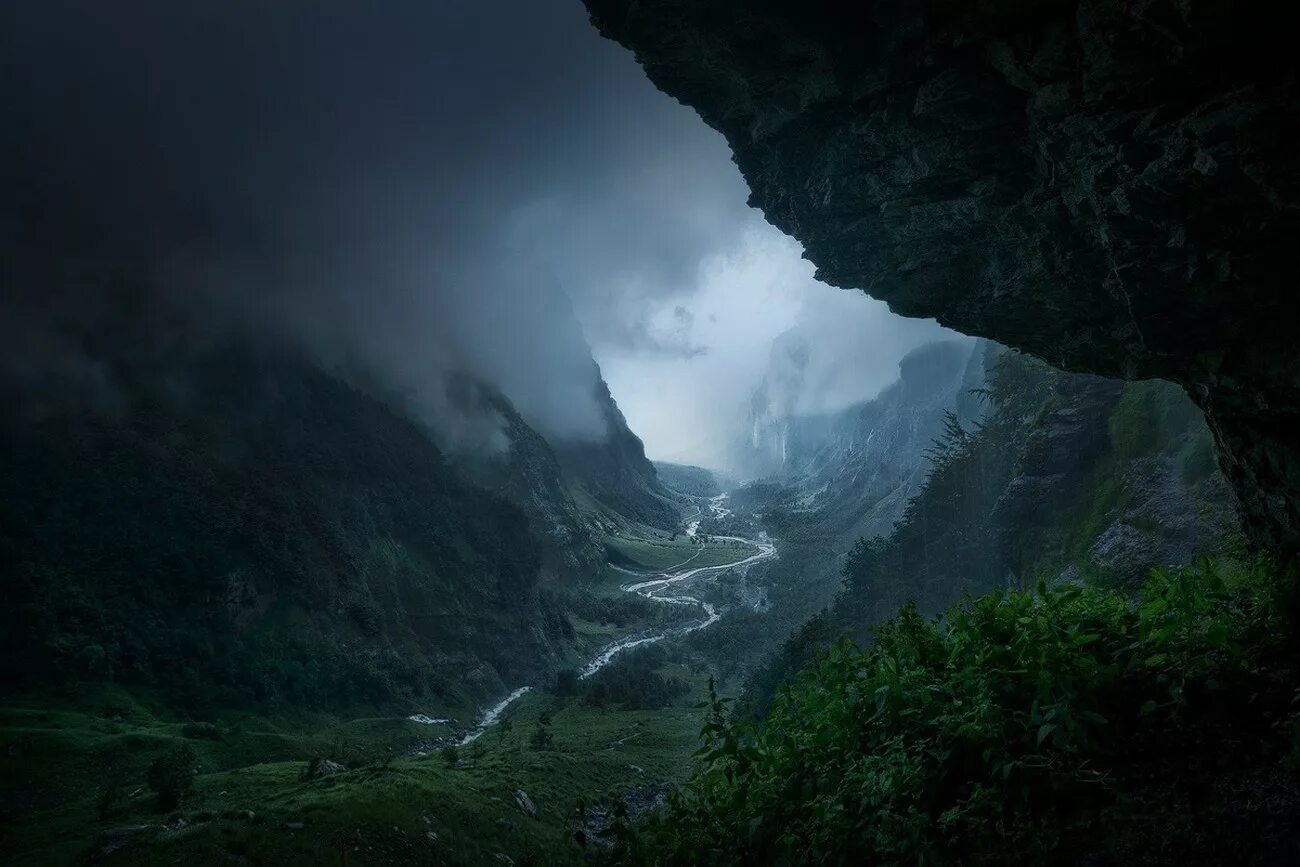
<point>252,803</point>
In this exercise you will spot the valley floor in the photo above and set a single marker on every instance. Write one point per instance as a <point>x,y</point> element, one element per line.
<point>460,807</point>
<point>304,788</point>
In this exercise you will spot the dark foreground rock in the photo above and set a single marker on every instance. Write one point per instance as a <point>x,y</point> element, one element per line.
<point>1107,184</point>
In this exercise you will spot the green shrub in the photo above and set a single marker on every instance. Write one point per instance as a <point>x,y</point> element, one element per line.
<point>633,682</point>
<point>542,739</point>
<point>171,776</point>
<point>988,733</point>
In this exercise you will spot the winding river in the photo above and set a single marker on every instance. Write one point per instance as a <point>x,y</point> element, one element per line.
<point>668,587</point>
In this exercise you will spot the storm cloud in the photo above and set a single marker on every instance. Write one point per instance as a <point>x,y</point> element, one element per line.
<point>416,188</point>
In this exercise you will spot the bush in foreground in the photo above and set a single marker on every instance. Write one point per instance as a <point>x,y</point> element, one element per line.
<point>996,733</point>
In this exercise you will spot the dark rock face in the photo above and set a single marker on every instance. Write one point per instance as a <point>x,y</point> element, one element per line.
<point>1167,521</point>
<point>1105,183</point>
<point>1057,454</point>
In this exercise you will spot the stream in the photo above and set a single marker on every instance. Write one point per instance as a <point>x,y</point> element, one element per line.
<point>668,587</point>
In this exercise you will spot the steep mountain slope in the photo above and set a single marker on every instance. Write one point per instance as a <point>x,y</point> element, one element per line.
<point>686,479</point>
<point>240,526</point>
<point>859,467</point>
<point>614,471</point>
<point>527,472</point>
<point>844,476</point>
<point>1068,477</point>
<point>1109,185</point>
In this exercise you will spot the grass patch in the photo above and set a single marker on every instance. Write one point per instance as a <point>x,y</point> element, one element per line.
<point>650,554</point>
<point>253,800</point>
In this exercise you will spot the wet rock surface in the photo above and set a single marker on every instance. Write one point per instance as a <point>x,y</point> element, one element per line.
<point>1106,184</point>
<point>635,803</point>
<point>1167,521</point>
<point>525,804</point>
<point>1058,453</point>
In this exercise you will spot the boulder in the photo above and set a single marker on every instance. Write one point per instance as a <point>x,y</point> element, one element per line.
<point>525,804</point>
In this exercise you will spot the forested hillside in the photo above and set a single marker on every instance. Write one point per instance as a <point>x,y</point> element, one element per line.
<point>844,476</point>
<point>527,473</point>
<point>1043,680</point>
<point>694,481</point>
<point>1065,477</point>
<point>240,526</point>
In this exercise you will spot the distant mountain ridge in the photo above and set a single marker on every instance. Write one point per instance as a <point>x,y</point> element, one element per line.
<point>690,480</point>
<point>861,465</point>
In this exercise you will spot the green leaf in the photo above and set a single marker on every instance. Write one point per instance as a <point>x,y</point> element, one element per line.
<point>1045,731</point>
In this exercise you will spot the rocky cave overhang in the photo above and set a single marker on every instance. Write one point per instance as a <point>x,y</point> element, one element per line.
<point>1112,186</point>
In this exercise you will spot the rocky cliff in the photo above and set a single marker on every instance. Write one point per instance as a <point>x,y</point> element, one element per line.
<point>1109,185</point>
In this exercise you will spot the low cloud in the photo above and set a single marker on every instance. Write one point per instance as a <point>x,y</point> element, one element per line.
<point>415,192</point>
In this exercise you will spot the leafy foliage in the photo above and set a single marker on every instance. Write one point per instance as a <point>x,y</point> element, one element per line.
<point>953,442</point>
<point>992,733</point>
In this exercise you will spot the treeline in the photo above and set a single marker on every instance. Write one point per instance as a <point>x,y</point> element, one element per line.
<point>632,681</point>
<point>622,610</point>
